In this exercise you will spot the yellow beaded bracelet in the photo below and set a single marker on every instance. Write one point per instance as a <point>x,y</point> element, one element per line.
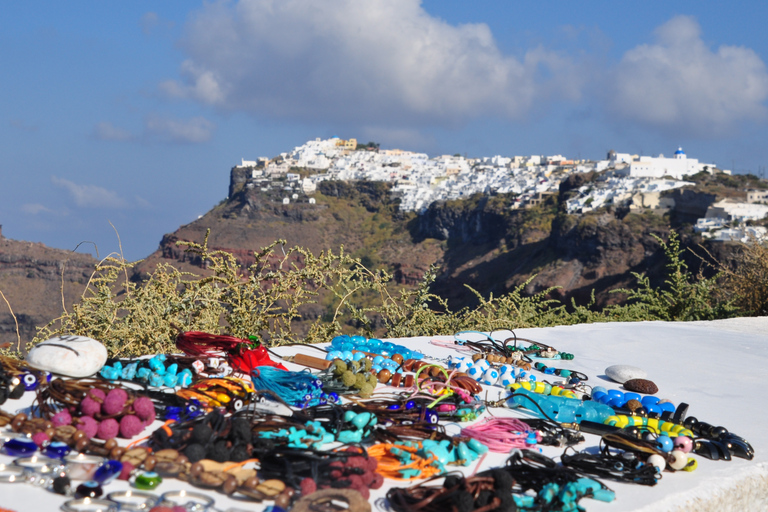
<point>653,425</point>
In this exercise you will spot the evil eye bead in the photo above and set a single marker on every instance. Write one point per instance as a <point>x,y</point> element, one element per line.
<point>30,382</point>
<point>147,481</point>
<point>18,447</point>
<point>431,417</point>
<point>683,443</point>
<point>88,489</point>
<point>56,450</point>
<point>108,471</point>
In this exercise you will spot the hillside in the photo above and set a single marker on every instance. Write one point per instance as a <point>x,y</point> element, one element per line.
<point>35,280</point>
<point>478,242</point>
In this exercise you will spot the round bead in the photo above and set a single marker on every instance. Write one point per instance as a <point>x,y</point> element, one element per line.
<point>677,460</point>
<point>397,358</point>
<point>665,443</point>
<point>384,376</point>
<point>683,443</point>
<point>657,461</point>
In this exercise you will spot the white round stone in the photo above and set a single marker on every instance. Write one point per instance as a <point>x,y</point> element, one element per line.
<point>68,355</point>
<point>621,373</point>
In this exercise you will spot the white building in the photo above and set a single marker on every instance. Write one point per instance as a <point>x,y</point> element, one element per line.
<point>660,167</point>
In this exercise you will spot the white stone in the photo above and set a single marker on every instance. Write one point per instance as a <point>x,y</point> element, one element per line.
<point>621,373</point>
<point>68,355</point>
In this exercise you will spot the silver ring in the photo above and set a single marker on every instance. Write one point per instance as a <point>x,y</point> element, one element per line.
<point>38,463</point>
<point>193,501</point>
<point>89,505</point>
<point>10,474</point>
<point>134,500</point>
<point>81,466</point>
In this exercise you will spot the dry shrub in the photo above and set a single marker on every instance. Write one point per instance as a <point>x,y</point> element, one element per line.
<point>746,280</point>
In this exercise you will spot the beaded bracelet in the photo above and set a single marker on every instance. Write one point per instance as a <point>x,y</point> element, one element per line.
<point>562,372</point>
<point>654,425</point>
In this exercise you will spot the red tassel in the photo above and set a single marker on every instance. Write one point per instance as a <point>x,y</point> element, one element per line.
<point>242,359</point>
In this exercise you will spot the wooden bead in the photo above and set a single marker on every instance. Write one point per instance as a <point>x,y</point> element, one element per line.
<point>475,357</point>
<point>435,371</point>
<point>82,444</point>
<point>78,435</point>
<point>18,421</point>
<point>384,376</point>
<point>110,444</point>
<point>150,462</point>
<point>396,378</point>
<point>196,469</point>
<point>116,453</point>
<point>251,482</point>
<point>408,365</point>
<point>230,485</point>
<point>398,358</point>
<point>410,379</point>
<point>283,501</point>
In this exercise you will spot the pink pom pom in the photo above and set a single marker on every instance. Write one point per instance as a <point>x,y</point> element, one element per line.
<point>108,429</point>
<point>144,408</point>
<point>96,394</point>
<point>130,425</point>
<point>40,438</point>
<point>88,425</point>
<point>61,418</point>
<point>114,402</point>
<point>90,407</point>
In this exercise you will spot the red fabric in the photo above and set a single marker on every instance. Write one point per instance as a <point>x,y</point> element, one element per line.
<point>196,343</point>
<point>247,359</point>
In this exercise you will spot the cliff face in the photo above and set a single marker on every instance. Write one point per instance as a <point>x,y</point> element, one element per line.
<point>477,242</point>
<point>38,282</point>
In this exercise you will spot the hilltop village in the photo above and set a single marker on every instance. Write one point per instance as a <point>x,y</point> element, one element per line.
<point>625,180</point>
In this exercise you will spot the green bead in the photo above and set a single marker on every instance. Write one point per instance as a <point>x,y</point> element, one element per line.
<point>147,481</point>
<point>565,373</point>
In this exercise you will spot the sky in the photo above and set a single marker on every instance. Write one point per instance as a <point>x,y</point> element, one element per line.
<point>120,121</point>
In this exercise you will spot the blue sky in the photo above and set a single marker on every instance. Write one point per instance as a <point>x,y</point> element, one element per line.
<point>133,113</point>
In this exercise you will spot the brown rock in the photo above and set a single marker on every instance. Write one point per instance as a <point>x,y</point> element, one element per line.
<point>641,386</point>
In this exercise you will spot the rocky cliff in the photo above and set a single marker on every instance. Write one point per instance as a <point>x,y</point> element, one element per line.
<point>38,282</point>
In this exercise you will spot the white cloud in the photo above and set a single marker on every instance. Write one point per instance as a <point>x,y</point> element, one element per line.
<point>383,60</point>
<point>107,131</point>
<point>149,21</point>
<point>189,131</point>
<point>159,128</point>
<point>90,196</point>
<point>680,83</point>
<point>35,208</point>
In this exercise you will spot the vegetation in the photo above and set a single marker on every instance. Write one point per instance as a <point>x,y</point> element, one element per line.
<point>138,318</point>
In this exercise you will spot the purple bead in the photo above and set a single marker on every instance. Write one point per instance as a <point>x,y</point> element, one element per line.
<point>56,450</point>
<point>108,471</point>
<point>19,447</point>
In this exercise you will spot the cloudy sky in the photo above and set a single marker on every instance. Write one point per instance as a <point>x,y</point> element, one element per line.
<point>131,114</point>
